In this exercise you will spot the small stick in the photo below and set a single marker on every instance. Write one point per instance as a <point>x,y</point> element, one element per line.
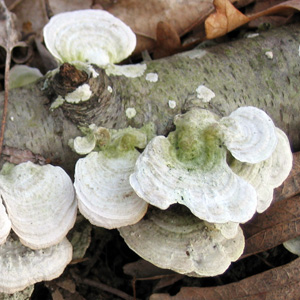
<point>107,288</point>
<point>6,85</point>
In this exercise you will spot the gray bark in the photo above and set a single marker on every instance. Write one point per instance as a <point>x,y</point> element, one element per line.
<point>239,73</point>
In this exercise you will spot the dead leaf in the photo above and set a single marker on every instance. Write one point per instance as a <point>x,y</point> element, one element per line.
<point>291,185</point>
<point>225,19</point>
<point>142,268</point>
<point>8,33</point>
<point>276,284</point>
<point>283,9</point>
<point>34,11</point>
<point>168,40</point>
<point>281,221</point>
<point>143,16</point>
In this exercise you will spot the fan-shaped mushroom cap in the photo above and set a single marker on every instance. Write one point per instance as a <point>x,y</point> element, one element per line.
<point>189,167</point>
<point>21,266</point>
<point>21,75</point>
<point>174,239</point>
<point>268,174</point>
<point>249,134</point>
<point>40,203</point>
<point>5,224</point>
<point>104,194</point>
<point>293,245</point>
<point>91,36</point>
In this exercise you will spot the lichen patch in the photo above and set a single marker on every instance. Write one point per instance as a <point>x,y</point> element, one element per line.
<point>204,94</point>
<point>130,112</point>
<point>152,77</point>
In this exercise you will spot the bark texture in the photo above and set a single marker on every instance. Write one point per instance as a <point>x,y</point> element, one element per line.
<point>239,73</point>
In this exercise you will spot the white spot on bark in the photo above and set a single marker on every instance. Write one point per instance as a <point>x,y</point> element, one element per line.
<point>269,54</point>
<point>204,93</point>
<point>82,93</point>
<point>172,104</point>
<point>252,35</point>
<point>109,88</point>
<point>130,112</point>
<point>152,77</point>
<point>196,53</point>
<point>12,118</point>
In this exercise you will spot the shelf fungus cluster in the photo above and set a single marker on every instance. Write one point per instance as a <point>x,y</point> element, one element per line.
<point>222,171</point>
<point>201,181</point>
<point>37,210</point>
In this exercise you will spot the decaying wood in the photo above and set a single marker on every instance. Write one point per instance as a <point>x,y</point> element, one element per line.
<point>239,73</point>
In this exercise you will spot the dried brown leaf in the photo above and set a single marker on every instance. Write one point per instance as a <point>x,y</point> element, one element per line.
<point>284,9</point>
<point>291,185</point>
<point>168,40</point>
<point>225,19</point>
<point>143,16</point>
<point>281,221</point>
<point>276,284</point>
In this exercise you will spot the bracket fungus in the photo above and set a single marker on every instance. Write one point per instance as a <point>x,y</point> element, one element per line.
<point>40,203</point>
<point>90,36</point>
<point>175,239</point>
<point>266,175</point>
<point>191,166</point>
<point>21,266</point>
<point>104,194</point>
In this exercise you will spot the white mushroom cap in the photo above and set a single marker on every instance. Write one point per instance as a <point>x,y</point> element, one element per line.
<point>249,134</point>
<point>268,174</point>
<point>104,194</point>
<point>5,224</point>
<point>189,167</point>
<point>174,239</point>
<point>293,245</point>
<point>90,36</point>
<point>21,266</point>
<point>40,203</point>
<point>21,75</point>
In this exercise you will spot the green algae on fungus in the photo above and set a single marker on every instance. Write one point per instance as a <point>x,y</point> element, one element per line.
<point>190,166</point>
<point>104,194</point>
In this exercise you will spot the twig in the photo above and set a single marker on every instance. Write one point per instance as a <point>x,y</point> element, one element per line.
<point>108,289</point>
<point>48,8</point>
<point>103,287</point>
<point>6,85</point>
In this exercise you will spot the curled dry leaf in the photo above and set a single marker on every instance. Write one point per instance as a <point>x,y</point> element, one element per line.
<point>144,16</point>
<point>281,222</point>
<point>227,18</point>
<point>276,284</point>
<point>291,185</point>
